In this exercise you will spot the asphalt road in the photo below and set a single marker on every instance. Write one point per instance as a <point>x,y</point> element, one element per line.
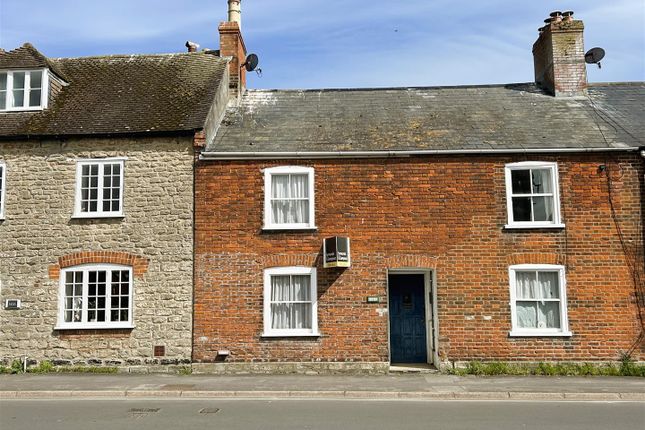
<point>159,414</point>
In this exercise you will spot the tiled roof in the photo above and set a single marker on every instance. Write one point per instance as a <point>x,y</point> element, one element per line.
<point>491,117</point>
<point>119,94</point>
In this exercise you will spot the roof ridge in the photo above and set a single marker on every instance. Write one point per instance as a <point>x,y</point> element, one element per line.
<point>107,56</point>
<point>430,87</point>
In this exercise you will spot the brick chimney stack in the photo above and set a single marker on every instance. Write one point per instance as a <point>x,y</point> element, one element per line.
<point>232,45</point>
<point>559,56</point>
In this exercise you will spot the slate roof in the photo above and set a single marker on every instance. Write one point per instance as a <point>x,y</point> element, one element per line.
<point>488,117</point>
<point>119,94</point>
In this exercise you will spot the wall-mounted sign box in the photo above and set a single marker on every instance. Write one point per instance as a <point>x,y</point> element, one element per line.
<point>336,252</point>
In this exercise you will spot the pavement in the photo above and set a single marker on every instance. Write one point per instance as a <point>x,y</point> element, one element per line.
<point>384,387</point>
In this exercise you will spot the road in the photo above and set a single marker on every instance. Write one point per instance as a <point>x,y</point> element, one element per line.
<point>231,414</point>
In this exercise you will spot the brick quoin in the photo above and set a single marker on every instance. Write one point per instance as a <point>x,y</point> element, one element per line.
<point>445,213</point>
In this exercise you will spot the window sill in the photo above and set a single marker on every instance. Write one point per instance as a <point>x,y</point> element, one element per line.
<point>96,216</point>
<point>540,334</point>
<point>95,327</point>
<point>289,228</point>
<point>532,226</point>
<point>275,335</point>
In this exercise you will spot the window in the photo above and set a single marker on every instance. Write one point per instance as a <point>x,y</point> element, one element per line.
<point>95,296</point>
<point>3,168</point>
<point>538,300</point>
<point>23,90</point>
<point>290,302</point>
<point>99,188</point>
<point>289,198</point>
<point>532,195</point>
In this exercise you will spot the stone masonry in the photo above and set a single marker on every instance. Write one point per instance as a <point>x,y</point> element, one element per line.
<point>38,237</point>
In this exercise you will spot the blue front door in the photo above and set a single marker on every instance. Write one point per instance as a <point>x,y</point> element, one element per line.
<point>407,310</point>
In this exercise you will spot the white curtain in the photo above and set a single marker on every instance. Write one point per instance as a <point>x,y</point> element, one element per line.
<point>542,205</point>
<point>287,289</point>
<point>542,182</point>
<point>290,199</point>
<point>532,311</point>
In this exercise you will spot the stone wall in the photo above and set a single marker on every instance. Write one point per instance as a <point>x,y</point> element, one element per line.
<point>39,236</point>
<point>444,213</point>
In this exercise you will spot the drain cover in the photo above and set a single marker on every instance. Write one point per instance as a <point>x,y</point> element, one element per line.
<point>138,413</point>
<point>209,411</point>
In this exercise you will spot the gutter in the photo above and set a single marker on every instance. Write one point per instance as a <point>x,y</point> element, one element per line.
<point>209,155</point>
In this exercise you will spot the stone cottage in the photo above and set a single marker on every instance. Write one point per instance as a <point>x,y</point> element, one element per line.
<point>492,222</point>
<point>96,198</point>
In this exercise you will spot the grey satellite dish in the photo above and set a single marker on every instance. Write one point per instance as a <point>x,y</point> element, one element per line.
<point>594,55</point>
<point>251,62</point>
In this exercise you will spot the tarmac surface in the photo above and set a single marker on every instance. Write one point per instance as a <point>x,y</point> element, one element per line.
<point>398,386</point>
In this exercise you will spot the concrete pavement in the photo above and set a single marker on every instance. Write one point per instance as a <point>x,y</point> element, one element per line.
<point>404,386</point>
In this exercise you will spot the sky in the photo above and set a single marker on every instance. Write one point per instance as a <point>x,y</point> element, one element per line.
<point>339,43</point>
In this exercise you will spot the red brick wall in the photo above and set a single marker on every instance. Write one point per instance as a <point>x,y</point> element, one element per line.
<point>444,213</point>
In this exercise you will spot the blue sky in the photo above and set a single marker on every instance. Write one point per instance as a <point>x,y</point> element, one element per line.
<point>339,43</point>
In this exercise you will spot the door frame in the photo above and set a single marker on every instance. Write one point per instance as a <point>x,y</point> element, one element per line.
<point>431,319</point>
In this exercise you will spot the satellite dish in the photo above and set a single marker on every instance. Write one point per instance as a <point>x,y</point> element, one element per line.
<point>251,62</point>
<point>594,55</point>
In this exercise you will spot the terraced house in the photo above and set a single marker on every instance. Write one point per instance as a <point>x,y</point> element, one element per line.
<point>348,230</point>
<point>96,219</point>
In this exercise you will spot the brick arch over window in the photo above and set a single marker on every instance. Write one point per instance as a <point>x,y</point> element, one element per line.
<point>139,264</point>
<point>289,260</point>
<point>536,258</point>
<point>402,261</point>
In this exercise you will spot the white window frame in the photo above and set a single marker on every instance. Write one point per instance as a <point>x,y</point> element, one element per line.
<point>84,324</point>
<point>563,331</point>
<point>286,170</point>
<point>44,94</point>
<point>281,271</point>
<point>3,187</point>
<point>99,213</point>
<point>526,165</point>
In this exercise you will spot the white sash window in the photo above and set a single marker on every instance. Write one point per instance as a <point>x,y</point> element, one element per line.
<point>289,198</point>
<point>290,302</point>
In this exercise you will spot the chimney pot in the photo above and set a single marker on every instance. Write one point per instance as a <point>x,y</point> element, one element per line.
<point>568,16</point>
<point>235,12</point>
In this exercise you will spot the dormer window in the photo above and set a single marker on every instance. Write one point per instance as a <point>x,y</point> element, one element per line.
<point>22,90</point>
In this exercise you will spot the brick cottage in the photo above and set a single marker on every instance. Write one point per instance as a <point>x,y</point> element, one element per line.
<point>492,222</point>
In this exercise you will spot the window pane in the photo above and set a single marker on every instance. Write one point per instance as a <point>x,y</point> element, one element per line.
<point>548,315</point>
<point>18,98</point>
<point>279,186</point>
<point>549,285</point>
<point>279,211</point>
<point>291,316</point>
<point>36,80</point>
<point>521,181</point>
<point>543,209</point>
<point>526,314</point>
<point>34,97</point>
<point>526,285</point>
<point>18,80</point>
<point>299,186</point>
<point>3,99</point>
<point>521,209</point>
<point>542,181</point>
<point>291,288</point>
<point>3,81</point>
<point>298,211</point>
